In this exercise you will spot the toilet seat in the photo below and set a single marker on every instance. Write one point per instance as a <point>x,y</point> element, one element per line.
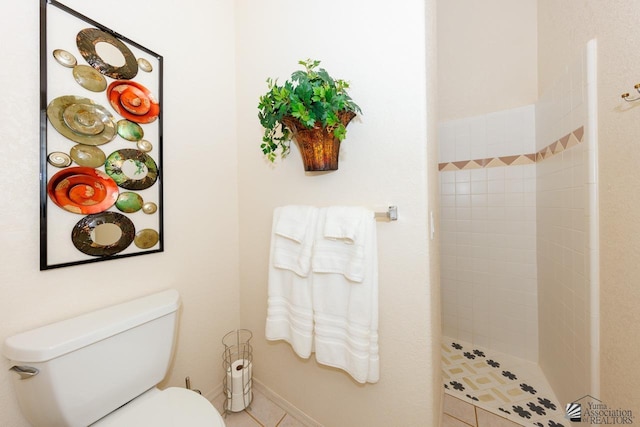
<point>172,407</point>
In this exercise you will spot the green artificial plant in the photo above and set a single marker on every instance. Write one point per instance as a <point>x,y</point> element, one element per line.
<point>312,97</point>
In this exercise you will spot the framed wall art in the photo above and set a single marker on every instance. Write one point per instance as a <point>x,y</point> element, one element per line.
<point>100,142</point>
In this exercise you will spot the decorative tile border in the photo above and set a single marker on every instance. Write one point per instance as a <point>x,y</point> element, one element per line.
<point>572,139</point>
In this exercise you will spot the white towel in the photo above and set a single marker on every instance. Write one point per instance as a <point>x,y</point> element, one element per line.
<point>346,311</point>
<point>339,246</point>
<point>289,303</point>
<point>294,229</point>
<point>342,223</point>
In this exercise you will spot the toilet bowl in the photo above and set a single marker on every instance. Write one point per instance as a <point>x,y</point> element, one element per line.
<point>102,369</point>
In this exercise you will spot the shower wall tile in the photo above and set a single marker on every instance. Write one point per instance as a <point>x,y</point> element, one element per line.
<point>489,232</point>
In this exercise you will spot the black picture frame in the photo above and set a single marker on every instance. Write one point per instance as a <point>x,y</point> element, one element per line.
<point>80,123</point>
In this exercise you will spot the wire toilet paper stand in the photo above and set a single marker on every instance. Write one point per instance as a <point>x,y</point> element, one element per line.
<point>237,362</point>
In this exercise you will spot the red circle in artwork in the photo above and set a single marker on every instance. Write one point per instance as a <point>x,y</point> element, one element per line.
<point>82,190</point>
<point>133,101</point>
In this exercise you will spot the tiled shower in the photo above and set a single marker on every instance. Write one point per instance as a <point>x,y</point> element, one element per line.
<point>518,218</point>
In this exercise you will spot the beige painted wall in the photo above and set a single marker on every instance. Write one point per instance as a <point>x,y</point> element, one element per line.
<point>564,27</point>
<point>201,214</point>
<point>480,69</point>
<point>380,47</point>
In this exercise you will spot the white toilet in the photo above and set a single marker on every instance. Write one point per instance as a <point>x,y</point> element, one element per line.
<point>102,369</point>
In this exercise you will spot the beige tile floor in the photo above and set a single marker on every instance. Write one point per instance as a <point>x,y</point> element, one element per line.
<point>261,413</point>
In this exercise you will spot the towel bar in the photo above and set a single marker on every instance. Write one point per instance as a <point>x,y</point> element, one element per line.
<point>391,214</point>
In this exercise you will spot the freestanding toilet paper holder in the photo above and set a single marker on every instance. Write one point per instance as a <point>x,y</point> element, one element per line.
<point>237,362</point>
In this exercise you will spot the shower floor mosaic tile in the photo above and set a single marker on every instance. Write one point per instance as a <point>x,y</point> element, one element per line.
<point>505,385</point>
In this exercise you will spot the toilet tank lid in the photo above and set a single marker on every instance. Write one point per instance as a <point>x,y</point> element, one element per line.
<point>54,340</point>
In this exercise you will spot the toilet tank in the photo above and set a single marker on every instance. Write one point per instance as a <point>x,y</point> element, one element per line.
<point>90,365</point>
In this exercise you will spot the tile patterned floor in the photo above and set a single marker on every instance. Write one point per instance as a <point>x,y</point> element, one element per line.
<point>262,412</point>
<point>505,385</point>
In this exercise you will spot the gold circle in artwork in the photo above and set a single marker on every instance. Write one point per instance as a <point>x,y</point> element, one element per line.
<point>86,122</point>
<point>149,208</point>
<point>59,159</point>
<point>146,238</point>
<point>145,65</point>
<point>144,145</point>
<point>83,119</point>
<point>88,155</point>
<point>65,58</point>
<point>89,78</point>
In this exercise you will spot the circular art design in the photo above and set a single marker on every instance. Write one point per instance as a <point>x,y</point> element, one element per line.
<point>65,58</point>
<point>81,120</point>
<point>146,238</point>
<point>129,202</point>
<point>133,101</point>
<point>89,78</point>
<point>145,65</point>
<point>84,233</point>
<point>129,130</point>
<point>82,190</point>
<point>149,208</point>
<point>87,40</point>
<point>131,169</point>
<point>144,145</point>
<point>59,159</point>
<point>88,155</point>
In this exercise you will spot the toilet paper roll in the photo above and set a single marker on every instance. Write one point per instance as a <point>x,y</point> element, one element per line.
<point>239,402</point>
<point>239,385</point>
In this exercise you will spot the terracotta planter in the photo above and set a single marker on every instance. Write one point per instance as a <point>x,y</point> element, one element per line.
<point>319,147</point>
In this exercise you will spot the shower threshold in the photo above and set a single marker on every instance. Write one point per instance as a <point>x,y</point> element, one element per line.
<point>512,388</point>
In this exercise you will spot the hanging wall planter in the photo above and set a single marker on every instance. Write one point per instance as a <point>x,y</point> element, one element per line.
<point>314,110</point>
<point>319,146</point>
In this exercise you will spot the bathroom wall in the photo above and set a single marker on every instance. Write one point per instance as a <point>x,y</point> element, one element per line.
<point>564,29</point>
<point>471,43</point>
<point>566,179</point>
<point>488,208</point>
<point>383,161</point>
<point>200,171</point>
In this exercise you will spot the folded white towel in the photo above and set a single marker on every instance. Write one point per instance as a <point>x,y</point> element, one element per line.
<point>293,229</point>
<point>342,223</point>
<point>346,311</point>
<point>339,246</point>
<point>289,304</point>
<point>293,221</point>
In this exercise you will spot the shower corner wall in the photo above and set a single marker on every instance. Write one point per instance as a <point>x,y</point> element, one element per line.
<point>566,219</point>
